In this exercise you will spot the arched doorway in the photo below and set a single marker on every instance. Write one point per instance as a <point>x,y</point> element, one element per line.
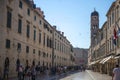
<point>33,63</point>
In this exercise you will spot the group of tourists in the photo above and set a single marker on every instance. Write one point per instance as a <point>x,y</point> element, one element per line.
<point>30,72</point>
<point>27,73</point>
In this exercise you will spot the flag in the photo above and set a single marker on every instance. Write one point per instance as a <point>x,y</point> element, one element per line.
<point>115,34</point>
<point>114,40</point>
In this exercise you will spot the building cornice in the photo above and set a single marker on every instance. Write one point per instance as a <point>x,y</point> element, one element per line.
<point>111,8</point>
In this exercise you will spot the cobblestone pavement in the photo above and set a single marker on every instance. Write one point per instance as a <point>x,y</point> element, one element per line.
<point>99,76</point>
<point>76,75</point>
<point>87,75</point>
<point>50,77</point>
<point>40,77</point>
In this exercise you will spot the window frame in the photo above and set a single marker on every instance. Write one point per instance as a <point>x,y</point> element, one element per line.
<point>8,43</point>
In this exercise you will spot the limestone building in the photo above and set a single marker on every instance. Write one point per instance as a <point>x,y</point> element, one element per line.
<point>27,38</point>
<point>81,56</point>
<point>106,53</point>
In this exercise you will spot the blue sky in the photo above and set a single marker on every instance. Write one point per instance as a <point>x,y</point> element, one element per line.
<point>73,17</point>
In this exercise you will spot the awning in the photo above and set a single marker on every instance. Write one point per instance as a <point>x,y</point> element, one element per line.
<point>106,59</point>
<point>94,62</point>
<point>102,60</point>
<point>116,57</point>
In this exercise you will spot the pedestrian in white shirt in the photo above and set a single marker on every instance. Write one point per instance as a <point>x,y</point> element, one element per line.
<point>116,73</point>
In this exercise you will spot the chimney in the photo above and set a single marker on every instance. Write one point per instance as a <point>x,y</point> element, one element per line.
<point>38,9</point>
<point>63,33</point>
<point>54,27</point>
<point>59,32</point>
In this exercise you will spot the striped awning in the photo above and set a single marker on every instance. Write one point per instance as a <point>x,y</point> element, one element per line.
<point>94,62</point>
<point>117,57</point>
<point>106,59</point>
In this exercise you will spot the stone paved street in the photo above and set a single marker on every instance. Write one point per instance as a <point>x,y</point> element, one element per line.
<point>88,75</point>
<point>85,75</point>
<point>98,76</point>
<point>78,76</point>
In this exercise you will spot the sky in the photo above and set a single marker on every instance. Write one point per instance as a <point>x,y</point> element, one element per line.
<point>73,17</point>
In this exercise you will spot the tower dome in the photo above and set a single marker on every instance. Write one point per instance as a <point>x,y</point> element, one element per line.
<point>95,13</point>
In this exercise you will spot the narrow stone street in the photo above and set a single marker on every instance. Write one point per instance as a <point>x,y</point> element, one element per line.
<point>87,75</point>
<point>77,75</point>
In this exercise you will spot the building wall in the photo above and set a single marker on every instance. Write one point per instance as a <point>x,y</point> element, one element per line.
<point>81,56</point>
<point>62,49</point>
<point>39,51</point>
<point>105,46</point>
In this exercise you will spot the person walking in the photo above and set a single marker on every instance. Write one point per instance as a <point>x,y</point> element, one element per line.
<point>6,71</point>
<point>33,72</point>
<point>116,73</point>
<point>47,73</point>
<point>27,72</point>
<point>20,72</point>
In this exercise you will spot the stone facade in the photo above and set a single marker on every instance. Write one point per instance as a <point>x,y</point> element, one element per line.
<point>81,56</point>
<point>27,37</point>
<point>105,54</point>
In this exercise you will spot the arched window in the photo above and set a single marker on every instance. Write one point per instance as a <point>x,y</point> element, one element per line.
<point>33,63</point>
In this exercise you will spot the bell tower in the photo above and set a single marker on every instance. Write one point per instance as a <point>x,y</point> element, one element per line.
<point>94,26</point>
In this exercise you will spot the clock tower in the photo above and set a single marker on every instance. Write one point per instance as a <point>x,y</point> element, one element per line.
<point>94,26</point>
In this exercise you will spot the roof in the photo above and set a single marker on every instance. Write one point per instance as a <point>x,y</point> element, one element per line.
<point>95,13</point>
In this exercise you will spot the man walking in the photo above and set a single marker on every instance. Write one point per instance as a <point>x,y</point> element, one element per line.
<point>33,72</point>
<point>116,73</point>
